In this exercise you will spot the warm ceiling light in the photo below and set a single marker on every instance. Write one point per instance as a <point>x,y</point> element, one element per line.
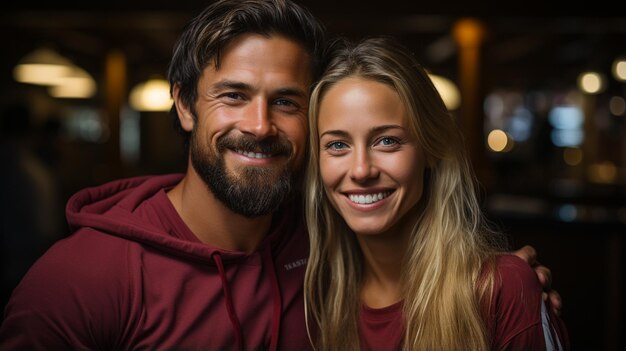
<point>447,89</point>
<point>499,141</point>
<point>591,82</point>
<point>42,67</point>
<point>619,69</point>
<point>76,84</point>
<point>152,95</point>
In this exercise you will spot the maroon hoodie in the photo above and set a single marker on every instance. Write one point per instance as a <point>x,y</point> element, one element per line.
<point>133,276</point>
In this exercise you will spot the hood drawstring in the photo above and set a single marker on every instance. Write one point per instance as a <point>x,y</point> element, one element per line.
<point>268,263</point>
<point>229,301</point>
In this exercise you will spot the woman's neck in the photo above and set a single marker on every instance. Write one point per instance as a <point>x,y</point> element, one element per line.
<point>383,256</point>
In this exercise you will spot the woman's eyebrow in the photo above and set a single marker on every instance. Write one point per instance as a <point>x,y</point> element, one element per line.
<point>385,127</point>
<point>335,132</point>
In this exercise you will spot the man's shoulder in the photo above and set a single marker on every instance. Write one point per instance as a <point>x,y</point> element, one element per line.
<point>79,289</point>
<point>86,268</point>
<point>86,255</point>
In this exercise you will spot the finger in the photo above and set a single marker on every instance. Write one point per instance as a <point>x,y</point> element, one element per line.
<point>545,276</point>
<point>555,302</point>
<point>527,253</point>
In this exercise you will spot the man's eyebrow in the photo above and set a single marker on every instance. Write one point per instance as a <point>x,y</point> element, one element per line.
<point>237,85</point>
<point>293,92</point>
<point>230,84</point>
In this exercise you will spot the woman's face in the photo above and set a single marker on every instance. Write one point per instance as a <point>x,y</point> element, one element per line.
<point>371,166</point>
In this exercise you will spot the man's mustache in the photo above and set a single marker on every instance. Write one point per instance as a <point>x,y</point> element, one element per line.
<point>273,146</point>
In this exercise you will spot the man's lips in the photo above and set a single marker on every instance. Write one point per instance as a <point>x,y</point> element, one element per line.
<point>252,154</point>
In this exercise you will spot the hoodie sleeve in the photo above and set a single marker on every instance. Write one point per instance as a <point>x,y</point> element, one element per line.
<point>58,304</point>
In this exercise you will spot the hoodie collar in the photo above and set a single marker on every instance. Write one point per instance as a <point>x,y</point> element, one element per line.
<point>114,209</point>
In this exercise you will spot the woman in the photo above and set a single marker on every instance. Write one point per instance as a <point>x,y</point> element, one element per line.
<point>400,255</point>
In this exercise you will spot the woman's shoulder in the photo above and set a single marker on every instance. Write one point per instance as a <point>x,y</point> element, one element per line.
<point>514,274</point>
<point>515,310</point>
<point>516,290</point>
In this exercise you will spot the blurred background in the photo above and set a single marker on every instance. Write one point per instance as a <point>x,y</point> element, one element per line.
<point>539,89</point>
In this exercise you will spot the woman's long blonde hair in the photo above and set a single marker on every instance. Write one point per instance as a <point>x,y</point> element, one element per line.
<point>449,246</point>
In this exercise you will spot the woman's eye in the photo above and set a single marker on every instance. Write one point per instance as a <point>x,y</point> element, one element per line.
<point>386,141</point>
<point>336,145</point>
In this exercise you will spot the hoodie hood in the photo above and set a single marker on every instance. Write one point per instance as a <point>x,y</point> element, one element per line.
<point>111,209</point>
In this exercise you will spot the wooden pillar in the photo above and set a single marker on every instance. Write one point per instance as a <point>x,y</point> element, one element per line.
<point>590,142</point>
<point>115,98</point>
<point>469,35</point>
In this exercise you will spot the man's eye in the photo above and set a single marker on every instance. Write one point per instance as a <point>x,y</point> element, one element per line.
<point>284,102</point>
<point>232,96</point>
<point>287,106</point>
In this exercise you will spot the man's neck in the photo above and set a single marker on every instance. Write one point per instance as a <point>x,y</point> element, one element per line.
<point>211,221</point>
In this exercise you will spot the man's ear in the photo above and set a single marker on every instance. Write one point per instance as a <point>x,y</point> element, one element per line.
<point>185,116</point>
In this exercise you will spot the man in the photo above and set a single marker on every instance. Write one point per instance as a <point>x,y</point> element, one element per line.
<point>212,259</point>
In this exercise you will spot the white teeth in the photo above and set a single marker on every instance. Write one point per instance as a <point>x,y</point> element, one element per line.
<point>369,198</point>
<point>253,154</point>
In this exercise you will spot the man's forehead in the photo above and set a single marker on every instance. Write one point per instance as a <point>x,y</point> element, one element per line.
<point>267,63</point>
<point>270,51</point>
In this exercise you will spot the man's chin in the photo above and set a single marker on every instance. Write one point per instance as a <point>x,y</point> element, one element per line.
<point>258,176</point>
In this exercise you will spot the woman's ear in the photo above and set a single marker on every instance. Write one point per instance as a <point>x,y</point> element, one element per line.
<point>185,116</point>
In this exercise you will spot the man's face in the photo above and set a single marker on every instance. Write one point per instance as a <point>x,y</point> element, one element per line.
<point>249,135</point>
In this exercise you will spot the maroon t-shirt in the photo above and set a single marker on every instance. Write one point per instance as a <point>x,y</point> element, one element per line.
<point>518,319</point>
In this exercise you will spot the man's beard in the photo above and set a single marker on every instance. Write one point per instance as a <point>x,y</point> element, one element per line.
<point>255,191</point>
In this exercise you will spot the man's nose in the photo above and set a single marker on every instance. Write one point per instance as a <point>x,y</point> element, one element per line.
<point>258,120</point>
